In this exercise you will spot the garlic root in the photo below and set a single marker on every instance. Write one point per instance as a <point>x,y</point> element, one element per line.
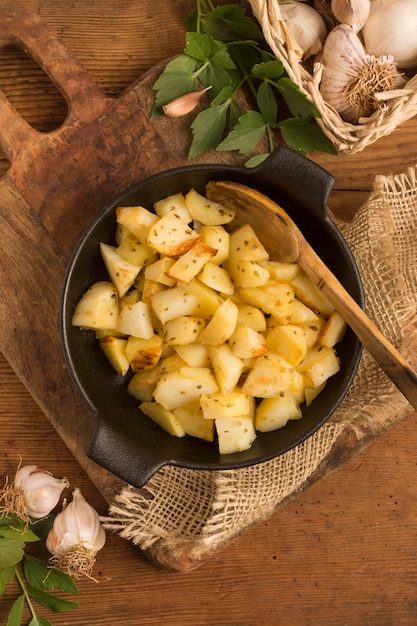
<point>14,502</point>
<point>375,76</point>
<point>351,77</point>
<point>34,493</point>
<point>77,561</point>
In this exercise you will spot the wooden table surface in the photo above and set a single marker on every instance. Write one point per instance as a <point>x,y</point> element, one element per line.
<point>344,552</point>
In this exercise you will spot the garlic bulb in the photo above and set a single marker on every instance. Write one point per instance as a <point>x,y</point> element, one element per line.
<point>305,25</point>
<point>351,77</point>
<point>351,12</point>
<point>76,537</point>
<point>33,493</point>
<point>184,104</point>
<point>391,28</point>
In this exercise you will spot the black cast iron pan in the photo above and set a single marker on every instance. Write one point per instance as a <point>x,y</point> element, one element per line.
<point>126,442</point>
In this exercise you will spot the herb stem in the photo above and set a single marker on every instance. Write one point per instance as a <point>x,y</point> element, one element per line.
<point>199,13</point>
<point>224,52</point>
<point>25,593</point>
<point>245,78</point>
<point>198,71</point>
<point>271,141</point>
<point>203,7</point>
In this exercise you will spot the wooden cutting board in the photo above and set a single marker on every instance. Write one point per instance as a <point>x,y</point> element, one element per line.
<point>57,183</point>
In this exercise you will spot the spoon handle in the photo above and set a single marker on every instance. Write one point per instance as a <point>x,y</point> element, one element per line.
<point>383,352</point>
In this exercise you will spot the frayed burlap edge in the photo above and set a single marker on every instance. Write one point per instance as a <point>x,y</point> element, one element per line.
<point>192,514</point>
<point>383,239</point>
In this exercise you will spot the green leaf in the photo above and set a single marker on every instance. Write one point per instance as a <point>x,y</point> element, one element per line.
<point>226,23</point>
<point>201,47</point>
<point>245,54</point>
<point>225,95</point>
<point>208,128</point>
<point>217,68</point>
<point>296,100</point>
<point>257,160</point>
<point>36,572</point>
<point>6,577</point>
<point>191,21</point>
<point>16,612</point>
<point>12,528</point>
<point>29,536</point>
<point>224,54</point>
<point>63,582</point>
<point>11,532</point>
<point>236,19</point>
<point>270,70</point>
<point>181,63</point>
<point>41,527</point>
<point>170,86</point>
<point>50,601</point>
<point>246,134</point>
<point>305,137</point>
<point>235,112</point>
<point>39,621</point>
<point>267,103</point>
<point>216,77</point>
<point>41,575</point>
<point>11,552</point>
<point>223,59</point>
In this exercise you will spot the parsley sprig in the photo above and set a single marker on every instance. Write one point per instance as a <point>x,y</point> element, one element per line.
<point>35,577</point>
<point>223,52</point>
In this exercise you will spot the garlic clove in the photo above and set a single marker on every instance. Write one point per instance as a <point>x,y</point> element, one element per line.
<point>33,493</point>
<point>305,25</point>
<point>342,54</point>
<point>351,77</point>
<point>76,536</point>
<point>391,30</point>
<point>77,524</point>
<point>184,104</point>
<point>351,12</point>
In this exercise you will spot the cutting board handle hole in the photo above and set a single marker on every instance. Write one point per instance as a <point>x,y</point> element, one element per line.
<point>42,105</point>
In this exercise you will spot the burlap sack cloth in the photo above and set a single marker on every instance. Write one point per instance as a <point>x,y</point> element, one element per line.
<point>192,514</point>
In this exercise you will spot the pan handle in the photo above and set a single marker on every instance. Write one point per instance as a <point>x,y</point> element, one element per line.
<point>117,451</point>
<point>300,179</point>
<point>84,98</point>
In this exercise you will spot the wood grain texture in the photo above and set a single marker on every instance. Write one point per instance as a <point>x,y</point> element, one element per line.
<point>389,155</point>
<point>344,551</point>
<point>57,182</point>
<point>67,175</point>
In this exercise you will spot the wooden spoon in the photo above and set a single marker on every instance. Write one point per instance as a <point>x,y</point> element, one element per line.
<point>285,242</point>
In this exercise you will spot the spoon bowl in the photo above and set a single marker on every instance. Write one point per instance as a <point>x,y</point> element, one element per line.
<point>285,242</point>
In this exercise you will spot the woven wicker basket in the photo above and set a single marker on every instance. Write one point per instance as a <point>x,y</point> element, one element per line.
<point>398,106</point>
